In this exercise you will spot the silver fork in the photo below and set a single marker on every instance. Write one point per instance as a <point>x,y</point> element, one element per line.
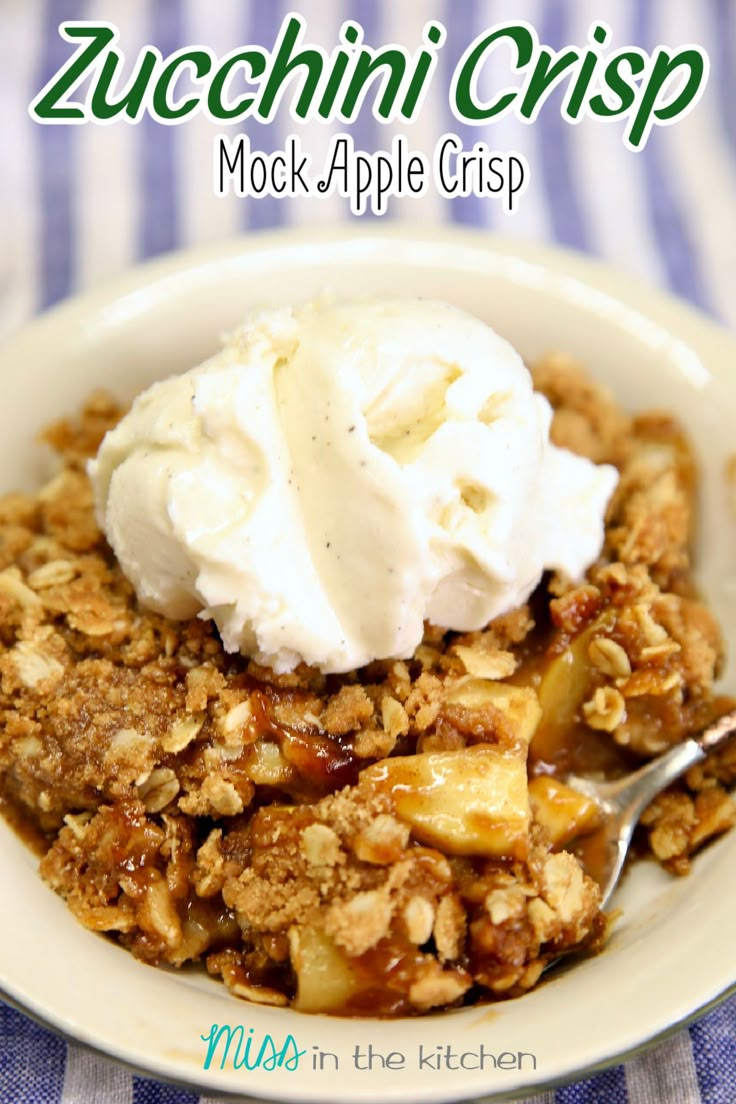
<point>623,801</point>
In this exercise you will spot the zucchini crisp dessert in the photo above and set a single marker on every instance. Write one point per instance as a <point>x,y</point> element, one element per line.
<point>297,652</point>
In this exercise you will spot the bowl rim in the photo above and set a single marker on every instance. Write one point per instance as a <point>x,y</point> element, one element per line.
<point>582,1073</point>
<point>160,275</point>
<point>643,298</point>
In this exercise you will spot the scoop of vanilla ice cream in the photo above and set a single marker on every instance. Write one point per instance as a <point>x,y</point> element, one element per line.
<point>340,472</point>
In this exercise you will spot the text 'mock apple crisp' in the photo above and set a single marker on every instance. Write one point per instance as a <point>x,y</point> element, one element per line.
<point>389,840</point>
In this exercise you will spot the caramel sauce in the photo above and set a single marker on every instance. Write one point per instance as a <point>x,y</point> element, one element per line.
<point>595,854</point>
<point>383,977</point>
<point>24,827</point>
<point>563,743</point>
<point>583,751</point>
<point>323,763</point>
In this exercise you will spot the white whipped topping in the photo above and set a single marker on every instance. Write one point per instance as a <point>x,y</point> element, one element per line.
<point>340,472</point>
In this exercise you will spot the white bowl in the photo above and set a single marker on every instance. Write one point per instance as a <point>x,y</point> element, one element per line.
<point>672,954</point>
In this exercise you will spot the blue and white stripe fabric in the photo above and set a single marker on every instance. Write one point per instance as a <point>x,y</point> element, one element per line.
<point>81,203</point>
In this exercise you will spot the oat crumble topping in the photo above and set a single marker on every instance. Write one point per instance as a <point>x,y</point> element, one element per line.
<point>289,831</point>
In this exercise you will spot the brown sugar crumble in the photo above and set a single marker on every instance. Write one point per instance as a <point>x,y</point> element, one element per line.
<point>390,841</point>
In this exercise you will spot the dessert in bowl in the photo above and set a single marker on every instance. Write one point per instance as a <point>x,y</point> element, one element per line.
<point>223,827</point>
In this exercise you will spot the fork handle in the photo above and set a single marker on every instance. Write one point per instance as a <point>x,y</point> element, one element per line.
<point>717,732</point>
<point>641,787</point>
<point>634,791</point>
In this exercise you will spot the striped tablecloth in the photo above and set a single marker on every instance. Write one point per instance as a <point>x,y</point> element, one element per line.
<point>81,203</point>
